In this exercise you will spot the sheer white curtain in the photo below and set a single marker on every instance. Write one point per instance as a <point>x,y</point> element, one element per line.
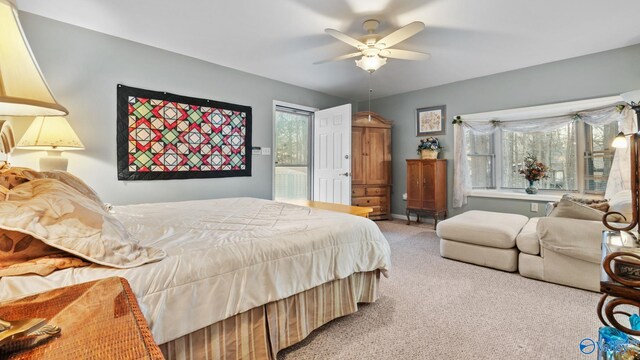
<point>620,174</point>
<point>461,177</point>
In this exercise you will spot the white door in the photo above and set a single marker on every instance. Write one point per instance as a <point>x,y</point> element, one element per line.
<point>332,155</point>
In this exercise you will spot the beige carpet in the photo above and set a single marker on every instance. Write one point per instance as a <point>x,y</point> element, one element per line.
<point>435,308</point>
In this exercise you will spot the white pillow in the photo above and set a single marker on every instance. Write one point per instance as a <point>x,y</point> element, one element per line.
<point>621,202</point>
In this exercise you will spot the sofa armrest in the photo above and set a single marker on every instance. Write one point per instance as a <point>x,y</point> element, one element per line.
<point>580,239</point>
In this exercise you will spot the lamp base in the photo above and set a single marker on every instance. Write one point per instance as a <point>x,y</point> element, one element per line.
<point>49,163</point>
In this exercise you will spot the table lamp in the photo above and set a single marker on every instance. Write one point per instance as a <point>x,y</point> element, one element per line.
<point>23,90</point>
<point>53,134</point>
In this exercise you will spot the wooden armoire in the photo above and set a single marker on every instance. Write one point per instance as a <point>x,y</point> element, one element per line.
<point>427,188</point>
<point>371,164</point>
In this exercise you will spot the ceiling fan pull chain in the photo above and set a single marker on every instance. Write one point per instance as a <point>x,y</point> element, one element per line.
<point>370,91</point>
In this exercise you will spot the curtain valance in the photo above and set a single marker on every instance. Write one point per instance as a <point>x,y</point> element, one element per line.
<point>600,115</point>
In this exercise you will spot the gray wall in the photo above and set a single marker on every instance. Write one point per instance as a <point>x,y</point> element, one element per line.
<point>83,67</point>
<point>602,74</point>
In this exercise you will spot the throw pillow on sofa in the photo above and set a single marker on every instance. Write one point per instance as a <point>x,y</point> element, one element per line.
<point>570,209</point>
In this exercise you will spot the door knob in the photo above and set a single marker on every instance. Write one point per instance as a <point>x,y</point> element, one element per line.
<point>345,174</point>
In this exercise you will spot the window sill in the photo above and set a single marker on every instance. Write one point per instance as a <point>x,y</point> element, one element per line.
<point>520,195</point>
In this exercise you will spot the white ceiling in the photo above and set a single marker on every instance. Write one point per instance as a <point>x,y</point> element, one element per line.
<point>280,39</point>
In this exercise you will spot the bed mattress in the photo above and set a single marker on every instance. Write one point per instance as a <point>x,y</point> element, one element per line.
<point>226,256</point>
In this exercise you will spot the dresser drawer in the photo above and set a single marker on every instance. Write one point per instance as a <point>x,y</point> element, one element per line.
<point>357,191</point>
<point>367,201</point>
<point>377,210</point>
<point>376,191</point>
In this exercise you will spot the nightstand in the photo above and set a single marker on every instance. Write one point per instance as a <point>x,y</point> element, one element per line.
<point>99,320</point>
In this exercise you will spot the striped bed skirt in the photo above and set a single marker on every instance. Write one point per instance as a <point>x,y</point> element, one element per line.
<point>263,331</point>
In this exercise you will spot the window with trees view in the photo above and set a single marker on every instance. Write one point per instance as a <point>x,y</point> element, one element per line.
<point>598,156</point>
<point>494,159</point>
<point>292,128</point>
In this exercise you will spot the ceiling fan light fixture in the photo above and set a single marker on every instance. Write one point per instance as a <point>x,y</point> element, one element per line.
<point>371,63</point>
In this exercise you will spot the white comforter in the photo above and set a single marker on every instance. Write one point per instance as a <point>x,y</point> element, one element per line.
<point>226,256</point>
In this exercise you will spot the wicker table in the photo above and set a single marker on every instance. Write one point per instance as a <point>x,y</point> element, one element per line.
<point>99,320</point>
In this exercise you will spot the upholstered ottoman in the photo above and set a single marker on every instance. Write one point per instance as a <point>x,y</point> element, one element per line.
<point>483,238</point>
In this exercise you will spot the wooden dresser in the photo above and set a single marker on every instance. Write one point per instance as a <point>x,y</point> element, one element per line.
<point>371,164</point>
<point>427,188</point>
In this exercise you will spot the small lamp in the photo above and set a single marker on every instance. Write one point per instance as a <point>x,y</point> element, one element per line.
<point>23,90</point>
<point>620,141</point>
<point>633,99</point>
<point>53,134</point>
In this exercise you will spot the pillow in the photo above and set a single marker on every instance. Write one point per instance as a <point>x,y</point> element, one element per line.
<point>571,209</point>
<point>13,176</point>
<point>598,204</point>
<point>61,217</point>
<point>584,200</point>
<point>603,206</point>
<point>621,202</point>
<point>68,179</point>
<point>22,254</point>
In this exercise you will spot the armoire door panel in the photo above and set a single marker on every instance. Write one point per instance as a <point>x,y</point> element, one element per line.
<point>357,156</point>
<point>376,163</point>
<point>414,188</point>
<point>428,183</point>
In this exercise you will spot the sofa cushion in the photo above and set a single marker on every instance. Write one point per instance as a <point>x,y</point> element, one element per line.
<point>580,239</point>
<point>527,241</point>
<point>484,228</point>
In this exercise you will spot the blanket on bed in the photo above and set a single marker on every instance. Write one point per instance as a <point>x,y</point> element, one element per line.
<point>226,256</point>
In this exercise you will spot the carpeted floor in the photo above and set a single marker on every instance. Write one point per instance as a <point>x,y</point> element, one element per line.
<point>435,308</point>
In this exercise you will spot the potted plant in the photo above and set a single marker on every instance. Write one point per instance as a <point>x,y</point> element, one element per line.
<point>429,148</point>
<point>533,170</point>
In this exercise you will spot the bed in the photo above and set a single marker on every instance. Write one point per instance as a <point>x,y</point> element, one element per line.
<point>242,278</point>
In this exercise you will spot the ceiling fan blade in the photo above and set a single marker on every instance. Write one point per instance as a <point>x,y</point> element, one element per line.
<point>338,58</point>
<point>345,38</point>
<point>399,35</point>
<point>404,54</point>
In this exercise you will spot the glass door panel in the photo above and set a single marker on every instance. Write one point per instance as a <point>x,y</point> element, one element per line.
<point>292,154</point>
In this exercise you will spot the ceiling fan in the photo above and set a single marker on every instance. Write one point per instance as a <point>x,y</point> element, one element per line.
<point>375,50</point>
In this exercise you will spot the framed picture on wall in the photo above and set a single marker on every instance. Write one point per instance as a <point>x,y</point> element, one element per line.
<point>431,120</point>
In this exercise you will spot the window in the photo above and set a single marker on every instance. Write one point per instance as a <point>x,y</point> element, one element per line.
<point>556,149</point>
<point>495,159</point>
<point>292,128</point>
<point>598,156</point>
<point>481,159</point>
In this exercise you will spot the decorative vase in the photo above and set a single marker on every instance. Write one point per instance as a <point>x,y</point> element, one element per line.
<point>531,189</point>
<point>428,154</point>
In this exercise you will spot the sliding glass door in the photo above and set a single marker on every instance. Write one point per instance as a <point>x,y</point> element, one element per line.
<point>292,154</point>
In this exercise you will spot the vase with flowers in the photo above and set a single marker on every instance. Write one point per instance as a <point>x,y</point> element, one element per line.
<point>533,170</point>
<point>429,148</point>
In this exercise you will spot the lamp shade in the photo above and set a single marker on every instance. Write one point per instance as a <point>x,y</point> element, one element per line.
<point>23,90</point>
<point>371,63</point>
<point>620,141</point>
<point>50,133</point>
<point>632,97</point>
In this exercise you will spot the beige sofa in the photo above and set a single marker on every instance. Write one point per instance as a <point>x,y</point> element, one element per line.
<point>561,250</point>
